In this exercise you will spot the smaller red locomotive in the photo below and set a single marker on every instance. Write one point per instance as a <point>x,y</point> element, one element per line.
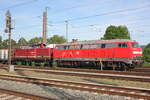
<point>117,53</point>
<point>34,54</point>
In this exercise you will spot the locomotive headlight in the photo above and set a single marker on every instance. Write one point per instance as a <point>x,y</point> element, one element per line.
<point>137,52</point>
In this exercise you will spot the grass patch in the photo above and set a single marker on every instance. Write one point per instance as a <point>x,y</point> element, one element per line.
<point>146,65</point>
<point>125,83</point>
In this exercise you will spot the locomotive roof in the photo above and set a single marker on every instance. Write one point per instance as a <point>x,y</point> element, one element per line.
<point>97,41</point>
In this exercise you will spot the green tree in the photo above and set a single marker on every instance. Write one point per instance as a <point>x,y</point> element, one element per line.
<point>56,39</point>
<point>35,40</point>
<point>1,42</point>
<point>1,39</point>
<point>146,53</point>
<point>22,41</point>
<point>5,43</point>
<point>116,32</point>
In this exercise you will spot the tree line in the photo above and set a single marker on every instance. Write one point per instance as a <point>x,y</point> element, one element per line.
<point>56,39</point>
<point>146,53</point>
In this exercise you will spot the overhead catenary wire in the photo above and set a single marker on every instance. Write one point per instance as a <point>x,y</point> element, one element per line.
<point>19,4</point>
<point>106,13</point>
<point>102,14</point>
<point>76,7</point>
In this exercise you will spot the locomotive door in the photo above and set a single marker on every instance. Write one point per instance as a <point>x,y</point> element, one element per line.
<point>122,50</point>
<point>114,50</point>
<point>110,50</point>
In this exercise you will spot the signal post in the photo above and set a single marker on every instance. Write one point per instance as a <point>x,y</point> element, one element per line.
<point>8,30</point>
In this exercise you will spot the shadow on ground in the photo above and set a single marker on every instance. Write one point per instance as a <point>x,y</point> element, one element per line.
<point>60,94</point>
<point>98,82</point>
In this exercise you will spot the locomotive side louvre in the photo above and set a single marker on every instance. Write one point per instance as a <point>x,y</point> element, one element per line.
<point>25,53</point>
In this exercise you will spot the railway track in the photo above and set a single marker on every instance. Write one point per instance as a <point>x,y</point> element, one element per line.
<point>142,69</point>
<point>133,72</point>
<point>132,76</point>
<point>6,94</point>
<point>90,87</point>
<point>136,71</point>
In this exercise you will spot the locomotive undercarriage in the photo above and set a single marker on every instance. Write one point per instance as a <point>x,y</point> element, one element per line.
<point>137,61</point>
<point>94,65</point>
<point>112,65</point>
<point>33,62</point>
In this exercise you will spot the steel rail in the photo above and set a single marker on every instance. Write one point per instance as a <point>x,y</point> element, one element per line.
<point>86,70</point>
<point>24,95</point>
<point>88,73</point>
<point>94,75</point>
<point>98,88</point>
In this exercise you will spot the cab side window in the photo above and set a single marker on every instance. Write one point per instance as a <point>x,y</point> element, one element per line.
<point>122,45</point>
<point>135,45</point>
<point>103,45</point>
<point>81,46</point>
<point>66,47</point>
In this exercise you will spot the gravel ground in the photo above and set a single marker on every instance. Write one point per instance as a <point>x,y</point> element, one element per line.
<point>58,93</point>
<point>80,79</point>
<point>4,96</point>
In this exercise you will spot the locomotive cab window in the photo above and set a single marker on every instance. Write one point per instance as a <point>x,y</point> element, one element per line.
<point>103,45</point>
<point>66,47</point>
<point>81,46</point>
<point>122,45</point>
<point>135,45</point>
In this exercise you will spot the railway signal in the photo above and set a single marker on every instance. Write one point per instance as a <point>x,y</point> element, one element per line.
<point>8,30</point>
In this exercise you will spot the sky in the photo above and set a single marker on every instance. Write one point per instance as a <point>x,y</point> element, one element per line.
<point>87,19</point>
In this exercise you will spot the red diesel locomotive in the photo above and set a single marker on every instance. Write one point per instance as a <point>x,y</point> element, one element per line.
<point>29,55</point>
<point>117,53</point>
<point>120,53</point>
